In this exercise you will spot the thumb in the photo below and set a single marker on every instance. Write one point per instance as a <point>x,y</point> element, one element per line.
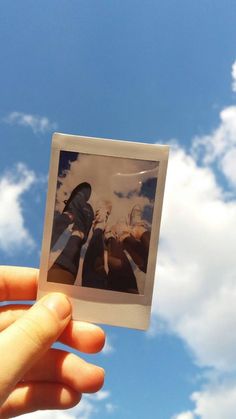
<point>26,340</point>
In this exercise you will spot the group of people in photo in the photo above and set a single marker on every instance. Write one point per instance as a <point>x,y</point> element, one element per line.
<point>111,250</point>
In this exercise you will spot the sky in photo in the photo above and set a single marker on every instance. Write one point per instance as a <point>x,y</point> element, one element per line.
<point>156,71</point>
<point>121,181</point>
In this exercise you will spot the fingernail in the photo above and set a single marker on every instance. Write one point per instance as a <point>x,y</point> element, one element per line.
<point>58,304</point>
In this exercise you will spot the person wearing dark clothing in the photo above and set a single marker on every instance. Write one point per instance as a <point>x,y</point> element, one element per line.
<point>79,212</point>
<point>135,237</point>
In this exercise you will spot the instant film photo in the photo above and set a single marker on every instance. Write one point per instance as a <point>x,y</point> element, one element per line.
<point>102,226</point>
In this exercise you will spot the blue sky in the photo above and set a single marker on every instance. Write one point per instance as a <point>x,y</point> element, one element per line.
<point>154,71</point>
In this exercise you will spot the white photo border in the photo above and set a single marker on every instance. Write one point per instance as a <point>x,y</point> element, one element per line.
<point>99,305</point>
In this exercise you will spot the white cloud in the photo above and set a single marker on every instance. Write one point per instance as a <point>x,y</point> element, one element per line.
<point>184,415</point>
<point>220,146</point>
<point>110,407</point>
<point>196,285</point>
<point>234,76</point>
<point>84,410</point>
<point>195,291</point>
<point>215,402</point>
<point>39,124</point>
<point>101,395</point>
<point>228,165</point>
<point>13,232</point>
<point>108,347</point>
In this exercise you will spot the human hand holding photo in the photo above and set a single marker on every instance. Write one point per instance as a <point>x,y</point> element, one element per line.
<point>34,376</point>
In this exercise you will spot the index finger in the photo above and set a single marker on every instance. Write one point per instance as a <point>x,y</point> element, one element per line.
<point>18,283</point>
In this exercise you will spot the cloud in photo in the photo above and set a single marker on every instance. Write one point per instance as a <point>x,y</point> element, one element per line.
<point>116,179</point>
<point>38,124</point>
<point>195,290</point>
<point>13,232</point>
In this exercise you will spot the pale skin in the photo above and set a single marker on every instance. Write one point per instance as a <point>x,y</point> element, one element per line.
<point>33,376</point>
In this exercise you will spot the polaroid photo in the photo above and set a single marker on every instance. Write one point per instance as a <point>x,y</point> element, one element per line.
<point>102,226</point>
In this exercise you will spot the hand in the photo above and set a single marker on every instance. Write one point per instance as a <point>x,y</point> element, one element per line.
<point>33,376</point>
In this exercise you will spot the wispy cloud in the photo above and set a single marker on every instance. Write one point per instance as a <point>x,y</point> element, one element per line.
<point>13,232</point>
<point>110,407</point>
<point>108,348</point>
<point>219,147</point>
<point>39,124</point>
<point>196,287</point>
<point>184,415</point>
<point>234,76</point>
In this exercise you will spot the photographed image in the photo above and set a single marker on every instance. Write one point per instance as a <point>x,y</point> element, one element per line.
<point>102,222</point>
<point>101,227</point>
